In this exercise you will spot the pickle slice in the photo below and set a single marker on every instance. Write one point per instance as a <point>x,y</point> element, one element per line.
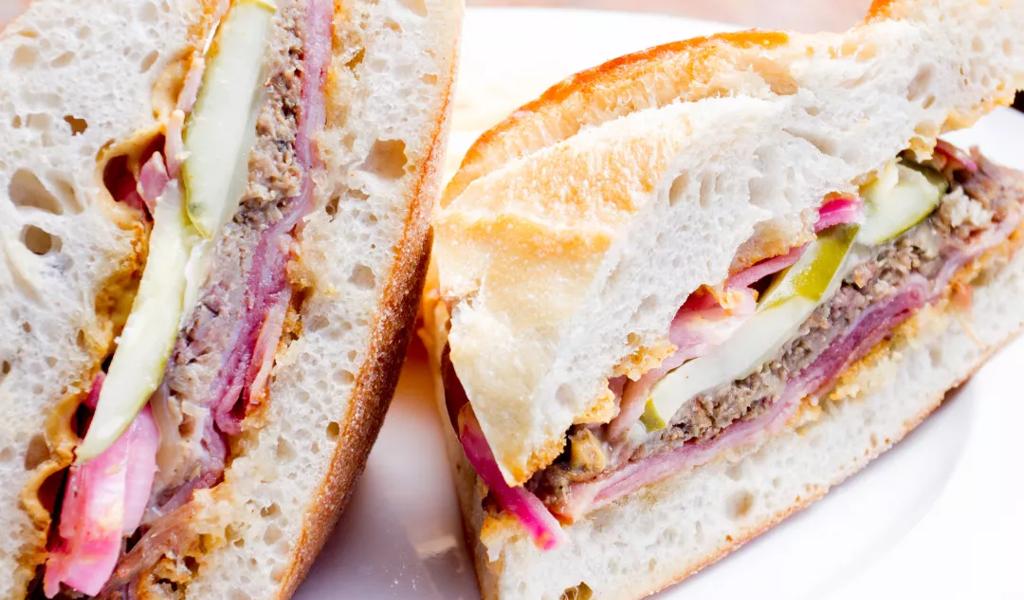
<point>149,334</point>
<point>900,198</point>
<point>220,131</point>
<point>218,138</point>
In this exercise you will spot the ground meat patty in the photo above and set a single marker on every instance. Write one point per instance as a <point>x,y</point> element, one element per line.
<point>974,203</point>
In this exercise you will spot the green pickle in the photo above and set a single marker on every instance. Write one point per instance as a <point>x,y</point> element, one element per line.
<point>652,419</point>
<point>901,197</point>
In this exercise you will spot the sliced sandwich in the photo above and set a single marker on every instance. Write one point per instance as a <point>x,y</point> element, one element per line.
<point>681,295</point>
<point>214,233</point>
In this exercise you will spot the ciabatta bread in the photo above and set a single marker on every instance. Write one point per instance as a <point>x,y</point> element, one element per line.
<point>75,79</point>
<point>575,230</point>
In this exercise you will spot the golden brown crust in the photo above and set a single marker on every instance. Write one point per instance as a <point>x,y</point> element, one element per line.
<point>651,78</point>
<point>880,9</point>
<point>626,84</point>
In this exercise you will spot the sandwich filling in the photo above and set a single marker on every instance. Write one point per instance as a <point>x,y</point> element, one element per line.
<point>752,351</point>
<point>225,194</point>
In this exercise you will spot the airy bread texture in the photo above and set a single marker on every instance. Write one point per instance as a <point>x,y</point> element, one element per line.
<point>663,533</point>
<point>73,79</point>
<point>576,229</point>
<point>363,252</point>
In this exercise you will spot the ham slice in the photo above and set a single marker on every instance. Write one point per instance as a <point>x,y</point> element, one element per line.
<point>770,266</point>
<point>153,180</point>
<point>957,156</point>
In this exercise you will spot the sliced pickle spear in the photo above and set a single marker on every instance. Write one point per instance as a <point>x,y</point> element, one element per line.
<point>812,275</point>
<point>898,199</point>
<point>149,334</point>
<point>220,130</point>
<point>783,309</point>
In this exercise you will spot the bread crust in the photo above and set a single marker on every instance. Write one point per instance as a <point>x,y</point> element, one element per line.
<point>378,377</point>
<point>600,90</point>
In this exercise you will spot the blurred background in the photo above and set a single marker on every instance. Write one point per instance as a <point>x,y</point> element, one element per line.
<point>809,15</point>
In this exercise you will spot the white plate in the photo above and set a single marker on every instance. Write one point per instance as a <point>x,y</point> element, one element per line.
<point>938,517</point>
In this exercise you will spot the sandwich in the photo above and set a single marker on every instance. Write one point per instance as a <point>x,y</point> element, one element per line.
<point>681,295</point>
<point>214,225</point>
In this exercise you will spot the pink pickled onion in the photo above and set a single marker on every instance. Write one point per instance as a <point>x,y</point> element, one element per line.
<point>519,502</point>
<point>104,500</point>
<point>839,211</point>
<point>956,155</point>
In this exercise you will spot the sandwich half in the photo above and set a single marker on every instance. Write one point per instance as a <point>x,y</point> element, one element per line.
<point>214,233</point>
<point>682,294</point>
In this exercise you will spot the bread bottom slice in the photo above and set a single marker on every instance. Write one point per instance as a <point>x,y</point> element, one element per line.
<point>666,532</point>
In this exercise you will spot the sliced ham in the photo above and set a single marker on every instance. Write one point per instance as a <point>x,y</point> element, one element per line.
<point>153,180</point>
<point>770,266</point>
<point>957,156</point>
<point>268,285</point>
